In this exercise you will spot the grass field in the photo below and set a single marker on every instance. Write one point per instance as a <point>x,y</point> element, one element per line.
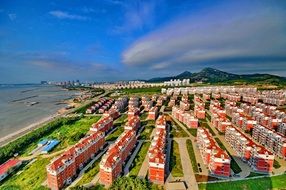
<point>265,183</point>
<point>90,173</point>
<point>151,90</point>
<point>192,155</point>
<point>146,133</point>
<point>121,119</point>
<point>175,161</point>
<point>118,131</point>
<point>137,162</point>
<point>68,134</point>
<point>234,166</point>
<point>205,125</point>
<point>144,116</point>
<point>193,131</point>
<point>32,177</point>
<point>177,131</point>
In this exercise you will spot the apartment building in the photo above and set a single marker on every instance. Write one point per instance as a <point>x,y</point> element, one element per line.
<point>103,125</point>
<point>187,118</point>
<point>217,160</point>
<point>62,170</point>
<point>111,165</point>
<point>257,157</point>
<point>120,104</point>
<point>272,140</point>
<point>133,123</point>
<point>157,153</point>
<point>113,113</point>
<point>133,111</point>
<point>185,105</point>
<point>153,113</point>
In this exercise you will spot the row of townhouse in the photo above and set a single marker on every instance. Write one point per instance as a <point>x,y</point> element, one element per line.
<point>273,141</point>
<point>172,101</point>
<point>106,106</point>
<point>111,165</point>
<point>62,170</point>
<point>252,99</point>
<point>133,107</point>
<point>133,102</point>
<point>282,129</point>
<point>185,117</point>
<point>96,105</point>
<point>153,113</point>
<point>157,153</point>
<point>234,97</point>
<point>199,108</point>
<point>133,123</point>
<point>113,113</point>
<point>274,97</point>
<point>239,117</point>
<point>215,158</point>
<point>257,157</point>
<point>120,104</point>
<point>103,125</point>
<point>218,116</point>
<point>208,90</point>
<point>185,105</point>
<point>161,99</point>
<point>147,103</point>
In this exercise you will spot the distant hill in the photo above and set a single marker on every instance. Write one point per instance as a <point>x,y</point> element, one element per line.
<point>211,75</point>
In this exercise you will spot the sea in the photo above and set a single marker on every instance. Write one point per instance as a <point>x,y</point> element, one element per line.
<point>24,105</point>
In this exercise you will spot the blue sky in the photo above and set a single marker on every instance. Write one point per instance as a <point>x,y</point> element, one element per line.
<point>109,40</point>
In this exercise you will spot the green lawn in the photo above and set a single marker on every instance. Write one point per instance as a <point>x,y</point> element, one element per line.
<point>144,116</point>
<point>276,164</point>
<point>151,90</point>
<point>137,162</point>
<point>146,133</point>
<point>265,183</point>
<point>253,174</point>
<point>175,161</point>
<point>121,119</point>
<point>68,134</point>
<point>193,131</point>
<point>116,133</point>
<point>90,173</point>
<point>192,155</point>
<point>32,177</point>
<point>177,131</point>
<point>205,125</point>
<point>234,166</point>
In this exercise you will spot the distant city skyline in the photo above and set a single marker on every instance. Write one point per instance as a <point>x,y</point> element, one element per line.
<point>108,40</point>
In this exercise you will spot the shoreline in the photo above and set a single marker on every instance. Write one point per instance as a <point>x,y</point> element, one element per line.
<point>15,135</point>
<point>27,129</point>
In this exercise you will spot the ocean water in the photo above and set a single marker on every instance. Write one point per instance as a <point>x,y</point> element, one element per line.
<point>16,111</point>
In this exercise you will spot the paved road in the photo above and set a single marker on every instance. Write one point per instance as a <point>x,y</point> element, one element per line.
<point>189,175</point>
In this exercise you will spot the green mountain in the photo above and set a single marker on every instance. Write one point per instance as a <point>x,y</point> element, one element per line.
<point>211,75</point>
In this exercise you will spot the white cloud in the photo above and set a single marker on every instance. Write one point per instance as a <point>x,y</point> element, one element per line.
<point>214,36</point>
<point>65,15</point>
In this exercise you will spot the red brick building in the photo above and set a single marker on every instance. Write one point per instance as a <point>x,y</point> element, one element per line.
<point>113,160</point>
<point>63,169</point>
<point>103,125</point>
<point>258,157</point>
<point>156,153</point>
<point>133,123</point>
<point>153,113</point>
<point>217,160</point>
